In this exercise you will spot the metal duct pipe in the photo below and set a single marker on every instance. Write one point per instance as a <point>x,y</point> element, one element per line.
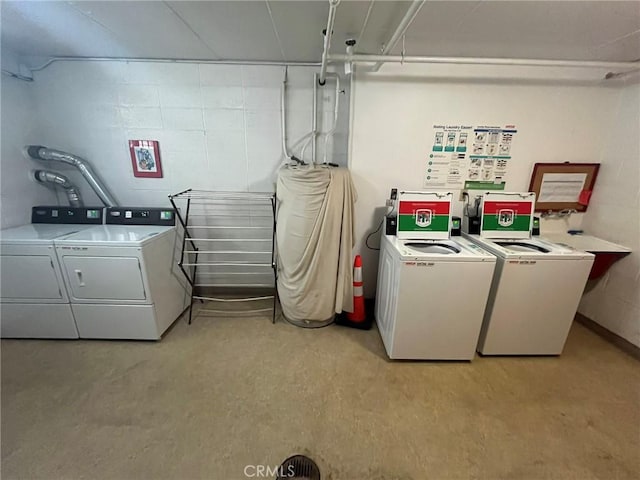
<point>39,152</point>
<point>333,6</point>
<point>54,178</point>
<point>403,26</point>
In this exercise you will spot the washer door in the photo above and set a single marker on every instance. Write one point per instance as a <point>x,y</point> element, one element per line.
<point>434,248</point>
<point>523,247</point>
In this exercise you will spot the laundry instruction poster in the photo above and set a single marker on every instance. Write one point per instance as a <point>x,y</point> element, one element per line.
<point>469,157</point>
<point>424,215</point>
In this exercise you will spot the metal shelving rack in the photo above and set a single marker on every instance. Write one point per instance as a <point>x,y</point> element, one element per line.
<point>228,243</point>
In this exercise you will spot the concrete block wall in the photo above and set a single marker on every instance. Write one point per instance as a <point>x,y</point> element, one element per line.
<point>394,110</point>
<point>614,214</point>
<point>557,120</point>
<point>219,128</point>
<point>18,193</point>
<point>218,125</point>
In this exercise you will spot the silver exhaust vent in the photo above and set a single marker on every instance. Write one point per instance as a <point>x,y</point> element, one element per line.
<point>38,152</point>
<point>47,177</point>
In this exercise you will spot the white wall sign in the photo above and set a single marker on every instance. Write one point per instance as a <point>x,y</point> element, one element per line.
<point>561,187</point>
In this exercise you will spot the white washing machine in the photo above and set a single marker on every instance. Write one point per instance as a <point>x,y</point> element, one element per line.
<point>534,295</point>
<point>431,292</point>
<point>123,278</point>
<point>431,297</point>
<point>35,303</point>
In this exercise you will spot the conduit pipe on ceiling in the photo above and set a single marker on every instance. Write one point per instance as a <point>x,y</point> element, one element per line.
<point>157,60</point>
<point>402,27</point>
<point>46,177</point>
<point>172,60</point>
<point>366,21</point>
<point>17,76</point>
<point>613,75</point>
<point>333,6</point>
<point>39,152</point>
<point>525,62</point>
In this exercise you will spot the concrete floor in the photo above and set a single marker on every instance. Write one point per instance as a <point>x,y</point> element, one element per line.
<point>225,393</point>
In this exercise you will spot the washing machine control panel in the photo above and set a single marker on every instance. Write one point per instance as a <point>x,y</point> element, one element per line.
<point>140,216</point>
<point>67,215</point>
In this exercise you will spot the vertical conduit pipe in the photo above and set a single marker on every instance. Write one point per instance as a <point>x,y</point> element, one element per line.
<point>333,6</point>
<point>283,115</point>
<point>314,120</point>
<point>314,124</point>
<point>330,133</point>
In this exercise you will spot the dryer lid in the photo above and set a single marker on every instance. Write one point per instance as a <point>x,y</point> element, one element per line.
<point>39,234</point>
<point>115,235</point>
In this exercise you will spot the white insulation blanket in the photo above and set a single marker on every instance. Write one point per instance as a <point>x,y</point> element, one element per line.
<point>315,241</point>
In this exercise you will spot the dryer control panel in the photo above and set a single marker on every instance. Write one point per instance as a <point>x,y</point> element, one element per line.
<point>140,216</point>
<point>55,214</point>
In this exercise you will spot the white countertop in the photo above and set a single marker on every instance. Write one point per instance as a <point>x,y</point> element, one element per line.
<point>587,243</point>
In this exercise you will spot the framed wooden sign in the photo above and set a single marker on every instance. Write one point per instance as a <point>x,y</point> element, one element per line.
<point>562,186</point>
<point>145,158</point>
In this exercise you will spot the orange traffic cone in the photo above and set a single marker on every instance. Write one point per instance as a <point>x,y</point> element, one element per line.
<point>358,314</point>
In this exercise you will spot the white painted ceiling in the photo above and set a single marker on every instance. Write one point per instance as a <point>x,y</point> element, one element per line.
<point>291,30</point>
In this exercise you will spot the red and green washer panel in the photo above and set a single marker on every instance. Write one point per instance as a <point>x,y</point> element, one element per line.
<point>423,216</point>
<point>507,216</point>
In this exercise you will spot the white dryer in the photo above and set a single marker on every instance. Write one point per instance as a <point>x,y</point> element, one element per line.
<point>534,296</point>
<point>34,298</point>
<point>431,293</point>
<point>123,279</point>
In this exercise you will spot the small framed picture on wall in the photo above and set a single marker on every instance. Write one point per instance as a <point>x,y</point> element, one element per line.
<point>145,158</point>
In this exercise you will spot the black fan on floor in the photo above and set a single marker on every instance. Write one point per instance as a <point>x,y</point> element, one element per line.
<point>298,467</point>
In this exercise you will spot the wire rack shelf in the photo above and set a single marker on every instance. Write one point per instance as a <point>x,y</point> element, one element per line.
<point>243,226</point>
